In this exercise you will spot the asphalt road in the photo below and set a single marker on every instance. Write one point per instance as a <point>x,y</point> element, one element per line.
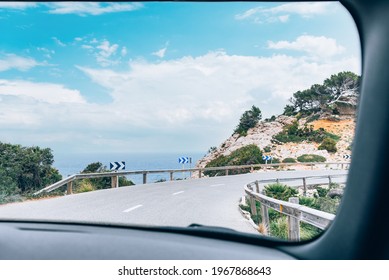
<point>208,201</point>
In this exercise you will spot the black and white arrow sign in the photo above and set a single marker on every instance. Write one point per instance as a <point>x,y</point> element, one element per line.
<point>117,165</point>
<point>347,157</point>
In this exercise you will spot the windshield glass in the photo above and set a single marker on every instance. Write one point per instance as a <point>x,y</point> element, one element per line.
<point>170,114</point>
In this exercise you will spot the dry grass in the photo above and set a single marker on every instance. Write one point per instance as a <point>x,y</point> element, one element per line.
<point>335,127</point>
<point>262,229</point>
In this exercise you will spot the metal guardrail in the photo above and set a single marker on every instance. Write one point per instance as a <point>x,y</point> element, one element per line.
<point>292,209</point>
<point>115,175</point>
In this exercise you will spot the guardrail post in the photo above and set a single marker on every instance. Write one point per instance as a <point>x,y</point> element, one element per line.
<point>69,188</point>
<point>257,186</point>
<point>305,186</point>
<point>114,182</point>
<point>265,215</point>
<point>293,223</point>
<point>199,173</point>
<point>226,172</point>
<point>253,206</point>
<point>171,176</point>
<point>329,181</point>
<point>144,178</point>
<point>252,169</point>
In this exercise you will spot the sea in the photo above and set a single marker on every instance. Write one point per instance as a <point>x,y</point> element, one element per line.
<point>69,164</point>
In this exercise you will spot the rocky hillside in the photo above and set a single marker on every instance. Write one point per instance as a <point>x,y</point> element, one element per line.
<point>314,115</point>
<point>262,136</point>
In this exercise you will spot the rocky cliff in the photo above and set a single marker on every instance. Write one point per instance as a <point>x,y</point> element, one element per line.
<point>262,136</point>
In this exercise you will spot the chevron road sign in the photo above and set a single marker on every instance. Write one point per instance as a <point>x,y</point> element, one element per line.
<point>347,157</point>
<point>183,160</point>
<point>117,165</point>
<point>267,158</point>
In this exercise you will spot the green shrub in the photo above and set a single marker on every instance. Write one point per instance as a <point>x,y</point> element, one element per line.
<point>311,158</point>
<point>313,117</point>
<point>307,201</point>
<point>322,192</point>
<point>246,155</point>
<point>292,133</point>
<point>326,204</point>
<point>273,214</point>
<point>267,149</point>
<point>103,182</point>
<point>308,231</point>
<point>279,228</point>
<point>329,145</point>
<point>289,160</point>
<point>279,191</point>
<point>85,186</point>
<point>271,119</point>
<point>124,182</point>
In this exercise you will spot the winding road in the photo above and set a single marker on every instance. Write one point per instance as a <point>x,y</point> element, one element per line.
<point>207,201</point>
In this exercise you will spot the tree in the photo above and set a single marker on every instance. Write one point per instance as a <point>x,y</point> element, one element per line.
<point>339,88</point>
<point>248,120</point>
<point>341,85</point>
<point>289,110</point>
<point>30,168</point>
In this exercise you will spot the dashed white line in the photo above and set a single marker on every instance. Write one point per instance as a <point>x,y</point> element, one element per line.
<point>178,192</point>
<point>217,185</point>
<point>132,208</point>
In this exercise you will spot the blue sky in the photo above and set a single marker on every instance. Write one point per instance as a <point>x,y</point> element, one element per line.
<point>159,77</point>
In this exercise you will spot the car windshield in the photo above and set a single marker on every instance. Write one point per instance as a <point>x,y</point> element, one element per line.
<point>174,114</point>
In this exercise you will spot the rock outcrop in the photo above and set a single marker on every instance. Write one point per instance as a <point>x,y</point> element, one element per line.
<point>262,136</point>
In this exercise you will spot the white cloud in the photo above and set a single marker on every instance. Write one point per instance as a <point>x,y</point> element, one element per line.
<point>107,50</point>
<point>155,103</point>
<point>281,13</point>
<point>316,46</point>
<point>47,53</point>
<point>17,5</point>
<point>58,42</point>
<point>303,9</point>
<point>123,52</point>
<point>87,47</point>
<point>161,53</point>
<point>43,92</point>
<point>283,18</point>
<point>12,61</point>
<point>215,87</point>
<point>91,8</point>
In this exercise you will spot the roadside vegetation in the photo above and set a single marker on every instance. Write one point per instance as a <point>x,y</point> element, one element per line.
<point>246,155</point>
<point>24,170</point>
<point>278,226</point>
<point>92,184</point>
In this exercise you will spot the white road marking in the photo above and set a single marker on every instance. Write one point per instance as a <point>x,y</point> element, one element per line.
<point>132,208</point>
<point>217,185</point>
<point>178,192</point>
